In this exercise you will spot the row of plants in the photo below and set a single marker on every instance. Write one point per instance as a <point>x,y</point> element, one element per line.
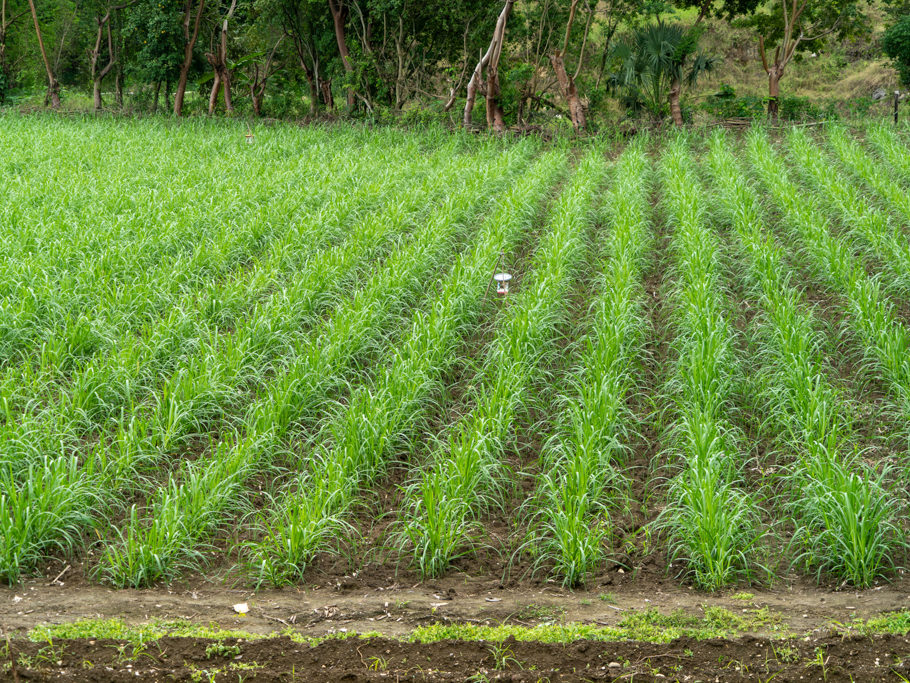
<point>388,416</point>
<point>50,495</point>
<point>872,171</point>
<point>202,495</point>
<point>120,249</point>
<point>844,518</point>
<point>66,401</point>
<point>711,520</point>
<point>584,464</point>
<point>869,228</point>
<point>870,311</point>
<point>466,475</point>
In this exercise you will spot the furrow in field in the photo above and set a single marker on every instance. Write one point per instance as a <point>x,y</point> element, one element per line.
<point>711,520</point>
<point>582,471</point>
<point>465,473</point>
<point>845,519</point>
<point>206,493</point>
<point>381,417</point>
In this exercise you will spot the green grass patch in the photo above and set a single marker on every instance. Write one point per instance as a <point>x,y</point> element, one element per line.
<point>646,626</point>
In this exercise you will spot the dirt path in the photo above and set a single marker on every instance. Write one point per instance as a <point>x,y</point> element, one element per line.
<point>369,604</point>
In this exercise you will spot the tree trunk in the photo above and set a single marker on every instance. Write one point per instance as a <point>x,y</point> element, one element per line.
<point>53,87</point>
<point>189,44</point>
<point>306,50</point>
<point>566,82</point>
<point>93,69</point>
<point>491,59</point>
<point>228,98</point>
<point>675,109</point>
<point>339,16</point>
<point>327,97</point>
<point>213,96</point>
<point>157,94</point>
<point>98,77</point>
<point>314,87</point>
<point>314,96</point>
<point>118,77</point>
<point>256,95</point>
<point>473,85</point>
<point>2,38</point>
<point>774,77</point>
<point>4,69</point>
<point>401,52</point>
<point>569,92</point>
<point>495,115</point>
<point>218,60</point>
<point>258,82</point>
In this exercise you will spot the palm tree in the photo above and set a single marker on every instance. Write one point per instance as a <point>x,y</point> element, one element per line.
<point>655,64</point>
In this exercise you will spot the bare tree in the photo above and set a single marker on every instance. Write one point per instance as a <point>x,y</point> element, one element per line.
<point>218,60</point>
<point>53,86</point>
<point>103,25</point>
<point>566,82</point>
<point>190,35</point>
<point>490,61</point>
<point>793,35</point>
<point>339,16</point>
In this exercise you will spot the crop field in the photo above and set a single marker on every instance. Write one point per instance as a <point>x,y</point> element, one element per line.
<point>283,366</point>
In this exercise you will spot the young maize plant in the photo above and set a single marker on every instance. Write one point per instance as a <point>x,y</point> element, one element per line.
<point>712,523</point>
<point>207,390</point>
<point>383,418</point>
<point>846,520</point>
<point>228,274</point>
<point>582,464</point>
<point>874,232</point>
<point>868,311</point>
<point>889,146</point>
<point>204,494</point>
<point>464,475</point>
<point>870,170</point>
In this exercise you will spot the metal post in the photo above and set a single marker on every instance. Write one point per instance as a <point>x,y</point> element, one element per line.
<point>897,99</point>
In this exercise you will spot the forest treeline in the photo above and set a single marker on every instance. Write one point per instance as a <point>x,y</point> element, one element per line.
<point>492,62</point>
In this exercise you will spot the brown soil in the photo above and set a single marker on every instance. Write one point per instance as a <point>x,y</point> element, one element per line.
<point>825,658</point>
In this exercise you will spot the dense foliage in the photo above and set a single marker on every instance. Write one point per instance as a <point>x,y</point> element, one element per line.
<point>896,44</point>
<point>411,58</point>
